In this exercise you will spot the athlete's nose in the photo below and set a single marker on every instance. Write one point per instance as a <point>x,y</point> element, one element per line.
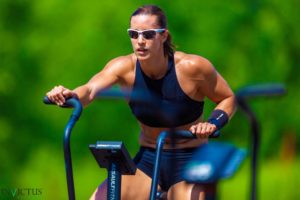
<point>141,39</point>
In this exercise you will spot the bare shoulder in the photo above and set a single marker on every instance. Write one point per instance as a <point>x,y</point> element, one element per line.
<point>121,64</point>
<point>115,71</point>
<point>193,65</point>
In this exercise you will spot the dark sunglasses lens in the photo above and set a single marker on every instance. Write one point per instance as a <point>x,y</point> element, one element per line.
<point>149,34</point>
<point>133,34</point>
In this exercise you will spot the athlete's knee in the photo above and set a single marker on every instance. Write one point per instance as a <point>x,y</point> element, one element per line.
<point>185,191</point>
<point>101,192</point>
<point>198,192</point>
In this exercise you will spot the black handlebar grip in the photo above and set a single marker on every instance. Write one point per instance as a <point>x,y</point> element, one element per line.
<point>46,100</point>
<point>72,102</point>
<point>261,90</point>
<point>189,134</point>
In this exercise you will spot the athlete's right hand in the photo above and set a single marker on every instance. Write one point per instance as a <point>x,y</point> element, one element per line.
<point>59,94</point>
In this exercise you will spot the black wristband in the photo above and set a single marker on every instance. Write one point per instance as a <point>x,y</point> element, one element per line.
<point>219,118</point>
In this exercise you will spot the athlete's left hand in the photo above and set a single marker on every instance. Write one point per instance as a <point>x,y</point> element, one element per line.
<point>203,129</point>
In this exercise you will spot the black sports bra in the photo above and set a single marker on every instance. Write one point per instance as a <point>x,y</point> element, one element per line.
<point>166,104</point>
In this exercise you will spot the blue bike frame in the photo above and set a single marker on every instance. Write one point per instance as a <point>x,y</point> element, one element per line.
<point>242,96</point>
<point>265,90</point>
<point>75,103</point>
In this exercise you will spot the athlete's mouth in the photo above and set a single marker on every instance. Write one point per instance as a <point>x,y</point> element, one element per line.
<point>141,50</point>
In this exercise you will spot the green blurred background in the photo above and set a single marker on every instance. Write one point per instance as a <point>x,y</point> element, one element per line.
<point>49,42</point>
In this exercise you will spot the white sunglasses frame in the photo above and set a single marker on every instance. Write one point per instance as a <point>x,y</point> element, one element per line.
<point>157,30</point>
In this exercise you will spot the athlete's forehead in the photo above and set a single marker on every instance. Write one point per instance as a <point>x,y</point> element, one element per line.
<point>143,21</point>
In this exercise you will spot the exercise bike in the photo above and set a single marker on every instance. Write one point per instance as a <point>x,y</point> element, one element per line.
<point>112,155</point>
<point>115,158</point>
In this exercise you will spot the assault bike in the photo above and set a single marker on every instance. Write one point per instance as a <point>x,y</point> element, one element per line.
<point>203,168</point>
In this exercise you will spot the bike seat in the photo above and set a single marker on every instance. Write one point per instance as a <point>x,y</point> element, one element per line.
<point>213,161</point>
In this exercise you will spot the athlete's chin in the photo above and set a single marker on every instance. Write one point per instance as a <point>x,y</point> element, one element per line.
<point>142,56</point>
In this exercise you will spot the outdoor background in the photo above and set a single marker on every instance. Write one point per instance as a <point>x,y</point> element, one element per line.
<point>50,42</point>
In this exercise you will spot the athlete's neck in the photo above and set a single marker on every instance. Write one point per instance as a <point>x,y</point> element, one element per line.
<point>155,68</point>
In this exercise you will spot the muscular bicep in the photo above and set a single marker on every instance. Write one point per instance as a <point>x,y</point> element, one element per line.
<point>215,87</point>
<point>209,83</point>
<point>217,90</point>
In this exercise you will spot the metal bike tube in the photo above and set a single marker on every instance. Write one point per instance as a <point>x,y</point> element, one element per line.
<point>114,182</point>
<point>159,145</point>
<point>75,103</point>
<point>68,159</point>
<point>67,150</point>
<point>255,146</point>
<point>263,90</point>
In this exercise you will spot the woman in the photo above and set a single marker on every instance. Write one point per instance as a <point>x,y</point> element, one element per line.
<point>178,82</point>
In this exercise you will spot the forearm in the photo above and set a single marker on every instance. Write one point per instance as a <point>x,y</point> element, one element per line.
<point>222,113</point>
<point>84,94</point>
<point>228,105</point>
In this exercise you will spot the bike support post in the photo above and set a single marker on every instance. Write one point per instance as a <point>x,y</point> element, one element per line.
<point>255,145</point>
<point>114,180</point>
<point>68,159</point>
<point>264,90</point>
<point>75,103</point>
<point>159,146</point>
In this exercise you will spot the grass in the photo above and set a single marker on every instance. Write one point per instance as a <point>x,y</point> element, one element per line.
<point>275,180</point>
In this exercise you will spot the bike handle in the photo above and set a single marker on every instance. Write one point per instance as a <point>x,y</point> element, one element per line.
<point>173,134</point>
<point>72,102</point>
<point>263,90</point>
<point>75,103</point>
<point>188,134</point>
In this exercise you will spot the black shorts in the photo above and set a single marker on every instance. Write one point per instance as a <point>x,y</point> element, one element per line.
<point>172,164</point>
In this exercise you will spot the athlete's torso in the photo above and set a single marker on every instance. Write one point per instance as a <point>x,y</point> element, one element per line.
<point>171,92</point>
<point>162,102</point>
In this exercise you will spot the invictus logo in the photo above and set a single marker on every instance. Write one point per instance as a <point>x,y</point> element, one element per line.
<point>21,193</point>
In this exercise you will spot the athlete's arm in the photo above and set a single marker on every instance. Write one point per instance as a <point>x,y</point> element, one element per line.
<point>217,90</point>
<point>111,74</point>
<point>212,85</point>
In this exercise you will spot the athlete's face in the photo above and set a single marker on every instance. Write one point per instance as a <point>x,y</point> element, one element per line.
<point>147,44</point>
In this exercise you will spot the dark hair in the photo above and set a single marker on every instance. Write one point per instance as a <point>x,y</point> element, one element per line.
<point>169,47</point>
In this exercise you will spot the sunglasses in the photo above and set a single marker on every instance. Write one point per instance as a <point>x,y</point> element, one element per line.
<point>147,34</point>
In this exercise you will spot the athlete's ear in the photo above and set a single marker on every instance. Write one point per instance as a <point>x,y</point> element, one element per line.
<point>165,35</point>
